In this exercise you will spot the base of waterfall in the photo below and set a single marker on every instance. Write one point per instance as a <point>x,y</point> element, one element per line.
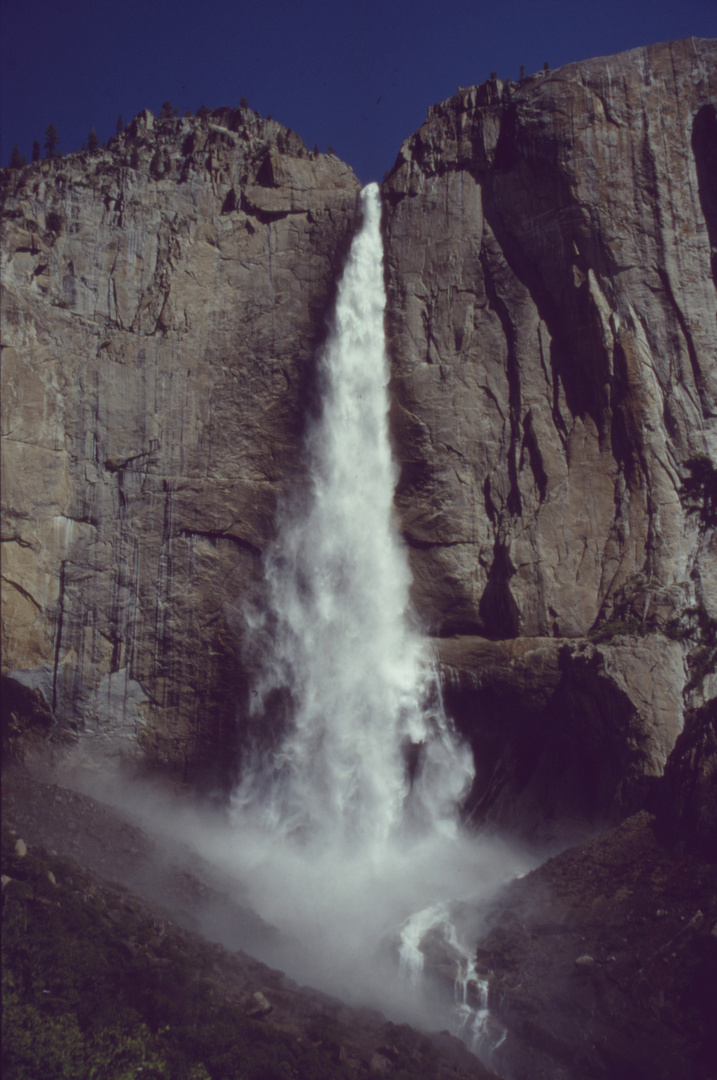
<point>646,918</point>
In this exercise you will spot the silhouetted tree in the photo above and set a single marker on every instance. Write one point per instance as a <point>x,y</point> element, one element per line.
<point>202,112</point>
<point>522,71</point>
<point>546,66</point>
<point>17,160</point>
<point>168,111</point>
<point>36,150</point>
<point>52,140</point>
<point>120,125</point>
<point>243,103</point>
<point>92,140</point>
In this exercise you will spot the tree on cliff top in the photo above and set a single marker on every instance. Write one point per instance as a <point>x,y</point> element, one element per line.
<point>17,160</point>
<point>52,140</point>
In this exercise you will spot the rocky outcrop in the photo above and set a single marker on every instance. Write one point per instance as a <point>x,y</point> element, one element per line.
<point>550,265</point>
<point>602,962</point>
<point>162,304</point>
<point>566,736</point>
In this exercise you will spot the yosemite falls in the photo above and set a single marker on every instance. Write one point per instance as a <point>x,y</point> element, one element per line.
<point>346,833</point>
<point>369,753</point>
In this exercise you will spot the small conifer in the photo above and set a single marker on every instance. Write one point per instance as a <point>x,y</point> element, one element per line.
<point>17,160</point>
<point>52,140</point>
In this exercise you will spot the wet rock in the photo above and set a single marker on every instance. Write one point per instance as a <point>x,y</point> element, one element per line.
<point>258,1006</point>
<point>380,1065</point>
<point>20,849</point>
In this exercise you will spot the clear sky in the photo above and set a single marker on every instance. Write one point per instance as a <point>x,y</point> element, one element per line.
<point>357,75</point>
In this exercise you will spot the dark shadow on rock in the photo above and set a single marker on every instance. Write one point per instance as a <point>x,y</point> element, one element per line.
<point>704,147</point>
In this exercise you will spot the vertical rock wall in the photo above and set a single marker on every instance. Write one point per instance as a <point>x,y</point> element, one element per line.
<point>162,303</point>
<point>553,329</point>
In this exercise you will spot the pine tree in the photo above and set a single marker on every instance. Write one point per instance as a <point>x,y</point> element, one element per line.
<point>120,125</point>
<point>17,160</point>
<point>36,150</point>
<point>92,140</point>
<point>52,140</point>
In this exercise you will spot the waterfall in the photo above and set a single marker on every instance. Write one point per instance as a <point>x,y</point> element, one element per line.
<point>369,752</point>
<point>344,828</point>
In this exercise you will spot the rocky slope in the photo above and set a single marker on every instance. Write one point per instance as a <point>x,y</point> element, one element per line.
<point>162,305</point>
<point>551,271</point>
<point>97,980</point>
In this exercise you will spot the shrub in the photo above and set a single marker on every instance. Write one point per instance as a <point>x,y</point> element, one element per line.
<point>699,491</point>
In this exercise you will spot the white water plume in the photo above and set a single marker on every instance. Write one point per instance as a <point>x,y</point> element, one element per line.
<point>370,752</point>
<point>345,833</point>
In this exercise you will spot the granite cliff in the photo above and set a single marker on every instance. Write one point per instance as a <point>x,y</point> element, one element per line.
<point>163,302</point>
<point>551,269</point>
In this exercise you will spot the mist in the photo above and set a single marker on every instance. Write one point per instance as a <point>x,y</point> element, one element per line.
<point>322,912</point>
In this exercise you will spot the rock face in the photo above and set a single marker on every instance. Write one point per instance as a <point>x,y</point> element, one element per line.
<point>551,262</point>
<point>551,268</point>
<point>602,962</point>
<point>162,304</point>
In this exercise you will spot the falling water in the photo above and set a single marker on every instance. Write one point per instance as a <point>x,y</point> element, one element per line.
<point>346,835</point>
<point>370,752</point>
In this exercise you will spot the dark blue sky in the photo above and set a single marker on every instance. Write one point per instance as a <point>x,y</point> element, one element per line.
<point>357,75</point>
